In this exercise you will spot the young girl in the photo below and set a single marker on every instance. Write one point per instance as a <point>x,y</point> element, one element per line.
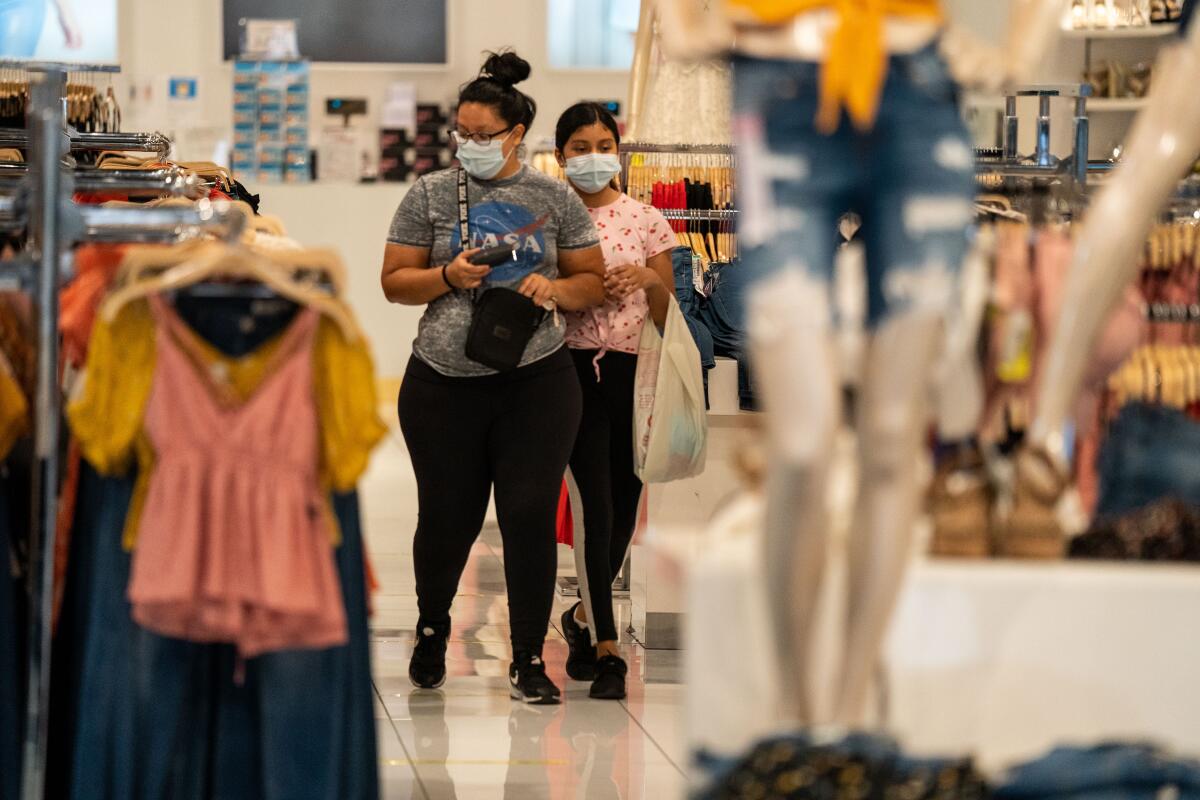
<point>637,244</point>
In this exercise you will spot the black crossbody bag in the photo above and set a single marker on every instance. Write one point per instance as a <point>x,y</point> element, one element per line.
<point>504,321</point>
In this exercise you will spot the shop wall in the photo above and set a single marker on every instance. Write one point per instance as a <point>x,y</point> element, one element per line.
<point>162,38</point>
<point>183,37</point>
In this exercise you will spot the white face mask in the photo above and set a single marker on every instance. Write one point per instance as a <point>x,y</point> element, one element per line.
<point>591,173</point>
<point>483,161</point>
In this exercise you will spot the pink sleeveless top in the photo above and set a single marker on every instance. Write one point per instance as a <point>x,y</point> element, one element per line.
<point>233,544</point>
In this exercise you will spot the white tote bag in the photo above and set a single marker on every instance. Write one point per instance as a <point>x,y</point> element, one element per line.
<point>670,430</point>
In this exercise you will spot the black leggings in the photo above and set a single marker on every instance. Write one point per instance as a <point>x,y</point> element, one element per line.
<point>513,432</point>
<point>603,481</point>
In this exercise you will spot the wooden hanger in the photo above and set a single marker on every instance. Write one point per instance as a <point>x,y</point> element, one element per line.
<point>214,260</point>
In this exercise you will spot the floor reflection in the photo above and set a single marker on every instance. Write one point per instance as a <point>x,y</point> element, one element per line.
<point>469,740</point>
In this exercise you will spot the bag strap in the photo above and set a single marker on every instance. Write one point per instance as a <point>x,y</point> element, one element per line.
<point>464,211</point>
<point>464,222</point>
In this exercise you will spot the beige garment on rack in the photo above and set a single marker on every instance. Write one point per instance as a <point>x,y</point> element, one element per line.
<point>683,101</point>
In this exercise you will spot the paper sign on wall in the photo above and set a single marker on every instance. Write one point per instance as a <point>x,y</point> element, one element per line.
<point>400,107</point>
<point>183,88</point>
<point>270,39</point>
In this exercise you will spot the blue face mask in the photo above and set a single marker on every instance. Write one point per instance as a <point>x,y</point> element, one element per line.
<point>483,161</point>
<point>591,173</point>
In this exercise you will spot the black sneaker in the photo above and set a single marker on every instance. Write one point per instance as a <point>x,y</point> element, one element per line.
<point>528,681</point>
<point>581,660</point>
<point>427,668</point>
<point>610,679</point>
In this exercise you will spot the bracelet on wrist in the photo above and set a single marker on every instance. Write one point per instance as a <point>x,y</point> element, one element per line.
<point>446,277</point>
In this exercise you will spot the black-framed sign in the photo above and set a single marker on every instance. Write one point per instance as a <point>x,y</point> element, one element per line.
<point>351,31</point>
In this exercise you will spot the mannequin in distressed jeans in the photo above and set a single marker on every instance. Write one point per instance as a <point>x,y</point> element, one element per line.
<point>847,106</point>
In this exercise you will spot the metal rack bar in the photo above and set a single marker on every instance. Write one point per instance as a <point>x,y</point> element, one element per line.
<point>1171,312</point>
<point>63,67</point>
<point>122,142</point>
<point>151,225</point>
<point>48,146</point>
<point>97,142</point>
<point>700,214</point>
<point>169,181</point>
<point>692,149</point>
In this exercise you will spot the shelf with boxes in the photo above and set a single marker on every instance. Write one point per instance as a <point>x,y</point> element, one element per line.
<point>271,122</point>
<point>406,155</point>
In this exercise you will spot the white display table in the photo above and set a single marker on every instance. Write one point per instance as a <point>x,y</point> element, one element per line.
<point>1007,659</point>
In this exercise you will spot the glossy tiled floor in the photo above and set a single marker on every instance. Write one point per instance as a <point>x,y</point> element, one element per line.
<point>469,740</point>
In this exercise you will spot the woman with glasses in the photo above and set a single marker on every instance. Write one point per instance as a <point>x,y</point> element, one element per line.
<point>469,428</point>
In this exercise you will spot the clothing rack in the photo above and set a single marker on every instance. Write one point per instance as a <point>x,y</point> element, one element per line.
<point>693,185</point>
<point>41,203</point>
<point>97,142</point>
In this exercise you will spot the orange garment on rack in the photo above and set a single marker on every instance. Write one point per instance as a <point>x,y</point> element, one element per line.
<point>96,267</point>
<point>855,67</point>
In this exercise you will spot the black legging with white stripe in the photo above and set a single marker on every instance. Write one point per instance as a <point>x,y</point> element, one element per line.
<point>603,483</point>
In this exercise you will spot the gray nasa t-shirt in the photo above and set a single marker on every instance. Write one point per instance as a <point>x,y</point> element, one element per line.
<point>534,211</point>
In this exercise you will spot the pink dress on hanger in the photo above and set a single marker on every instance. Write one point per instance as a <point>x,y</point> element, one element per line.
<point>233,544</point>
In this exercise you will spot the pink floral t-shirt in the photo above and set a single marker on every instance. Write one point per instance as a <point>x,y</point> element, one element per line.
<point>630,233</point>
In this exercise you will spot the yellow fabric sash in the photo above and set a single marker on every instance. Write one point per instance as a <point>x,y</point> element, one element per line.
<point>856,66</point>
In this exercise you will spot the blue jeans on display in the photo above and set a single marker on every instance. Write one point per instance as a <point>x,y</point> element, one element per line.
<point>724,314</point>
<point>21,23</point>
<point>163,718</point>
<point>910,178</point>
<point>689,304</point>
<point>716,322</point>
<point>1151,452</point>
<point>1115,771</point>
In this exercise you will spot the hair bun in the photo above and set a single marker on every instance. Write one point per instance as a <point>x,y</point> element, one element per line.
<point>506,68</point>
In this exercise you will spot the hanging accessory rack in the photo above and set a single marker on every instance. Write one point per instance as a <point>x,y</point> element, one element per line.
<point>1042,164</point>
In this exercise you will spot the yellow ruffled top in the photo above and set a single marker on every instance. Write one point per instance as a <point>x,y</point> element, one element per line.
<point>14,410</point>
<point>107,410</point>
<point>854,71</point>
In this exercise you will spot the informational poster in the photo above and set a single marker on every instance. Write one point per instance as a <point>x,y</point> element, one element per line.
<point>59,30</point>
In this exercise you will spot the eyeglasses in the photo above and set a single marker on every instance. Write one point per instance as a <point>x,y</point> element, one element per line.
<point>477,138</point>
